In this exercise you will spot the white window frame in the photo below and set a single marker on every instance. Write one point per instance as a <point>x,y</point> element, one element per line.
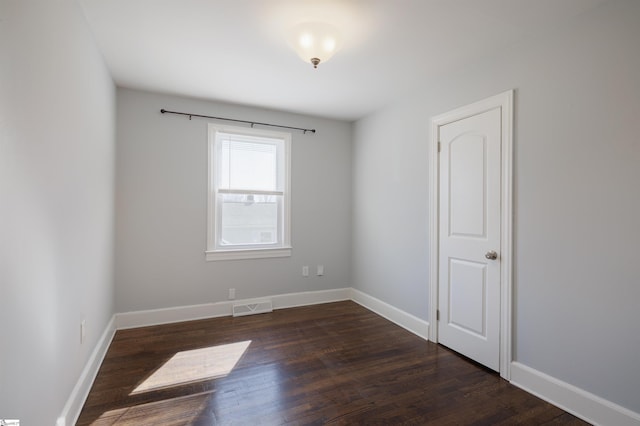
<point>214,250</point>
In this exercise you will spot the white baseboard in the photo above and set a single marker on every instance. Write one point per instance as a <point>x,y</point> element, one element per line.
<point>307,298</point>
<point>403,319</point>
<point>169,315</point>
<point>221,309</point>
<point>72,408</point>
<point>572,399</point>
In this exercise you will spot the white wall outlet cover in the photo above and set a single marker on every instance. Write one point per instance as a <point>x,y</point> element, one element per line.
<point>305,271</point>
<point>320,270</point>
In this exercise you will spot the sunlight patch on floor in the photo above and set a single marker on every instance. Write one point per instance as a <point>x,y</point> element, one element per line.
<point>193,365</point>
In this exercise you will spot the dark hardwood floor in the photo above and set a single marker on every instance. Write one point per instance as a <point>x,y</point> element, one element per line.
<point>333,363</point>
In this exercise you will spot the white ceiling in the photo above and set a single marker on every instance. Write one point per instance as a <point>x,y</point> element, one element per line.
<point>235,50</point>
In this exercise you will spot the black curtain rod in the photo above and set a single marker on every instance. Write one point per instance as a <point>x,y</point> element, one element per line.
<point>165,111</point>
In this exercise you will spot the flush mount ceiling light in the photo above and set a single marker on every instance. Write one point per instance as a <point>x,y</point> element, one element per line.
<point>314,42</point>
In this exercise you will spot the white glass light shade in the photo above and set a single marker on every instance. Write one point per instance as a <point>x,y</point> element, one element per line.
<point>314,42</point>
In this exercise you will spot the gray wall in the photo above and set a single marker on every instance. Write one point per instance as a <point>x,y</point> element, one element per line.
<point>162,204</point>
<point>57,156</point>
<point>577,202</point>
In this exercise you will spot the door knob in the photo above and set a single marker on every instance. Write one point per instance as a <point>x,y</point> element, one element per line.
<point>491,255</point>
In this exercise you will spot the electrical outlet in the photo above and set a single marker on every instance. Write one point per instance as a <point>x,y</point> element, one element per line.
<point>232,293</point>
<point>83,327</point>
<point>305,271</point>
<point>320,271</point>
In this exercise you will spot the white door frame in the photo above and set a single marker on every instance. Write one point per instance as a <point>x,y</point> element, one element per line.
<point>505,102</point>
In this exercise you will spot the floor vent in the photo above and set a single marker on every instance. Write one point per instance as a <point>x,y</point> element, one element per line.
<point>252,308</point>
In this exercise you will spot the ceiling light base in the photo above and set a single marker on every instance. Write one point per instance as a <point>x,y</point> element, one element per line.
<point>315,62</point>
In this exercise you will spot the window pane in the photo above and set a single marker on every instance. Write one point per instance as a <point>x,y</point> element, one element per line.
<point>248,165</point>
<point>249,219</point>
<point>249,200</point>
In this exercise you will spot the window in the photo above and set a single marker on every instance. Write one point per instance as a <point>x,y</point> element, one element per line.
<point>249,193</point>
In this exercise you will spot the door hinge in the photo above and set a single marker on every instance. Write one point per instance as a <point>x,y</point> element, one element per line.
<point>438,315</point>
<point>439,146</point>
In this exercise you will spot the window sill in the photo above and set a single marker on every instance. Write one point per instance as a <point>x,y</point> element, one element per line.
<point>247,254</point>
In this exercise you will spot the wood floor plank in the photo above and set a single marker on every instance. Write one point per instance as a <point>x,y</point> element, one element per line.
<point>335,363</point>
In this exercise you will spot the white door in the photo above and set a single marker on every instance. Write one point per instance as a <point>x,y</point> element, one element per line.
<point>469,237</point>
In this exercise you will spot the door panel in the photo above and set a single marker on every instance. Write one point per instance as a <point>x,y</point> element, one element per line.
<point>467,294</point>
<point>469,283</point>
<point>466,186</point>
